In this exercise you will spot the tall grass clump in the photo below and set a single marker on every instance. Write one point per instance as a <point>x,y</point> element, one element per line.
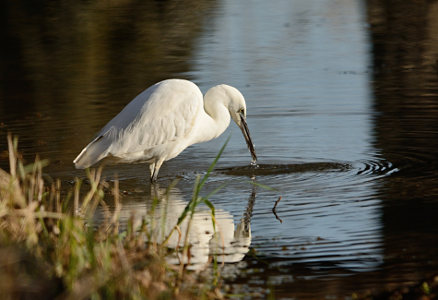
<point>50,246</point>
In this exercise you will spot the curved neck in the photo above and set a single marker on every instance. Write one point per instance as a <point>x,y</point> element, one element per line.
<point>215,118</point>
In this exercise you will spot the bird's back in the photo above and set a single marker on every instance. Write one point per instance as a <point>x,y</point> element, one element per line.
<point>163,113</point>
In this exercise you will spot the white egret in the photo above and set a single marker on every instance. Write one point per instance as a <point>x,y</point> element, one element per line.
<point>163,120</point>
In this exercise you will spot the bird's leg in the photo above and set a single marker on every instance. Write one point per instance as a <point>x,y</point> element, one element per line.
<point>151,168</point>
<point>155,167</point>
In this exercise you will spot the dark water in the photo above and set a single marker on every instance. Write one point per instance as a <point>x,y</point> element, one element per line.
<point>342,103</point>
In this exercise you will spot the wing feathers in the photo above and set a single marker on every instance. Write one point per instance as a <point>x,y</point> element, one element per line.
<point>167,113</point>
<point>161,114</point>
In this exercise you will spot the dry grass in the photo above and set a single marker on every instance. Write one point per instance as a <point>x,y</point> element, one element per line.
<point>50,248</point>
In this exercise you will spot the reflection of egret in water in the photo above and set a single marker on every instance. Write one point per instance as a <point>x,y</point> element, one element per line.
<point>228,242</point>
<point>235,247</point>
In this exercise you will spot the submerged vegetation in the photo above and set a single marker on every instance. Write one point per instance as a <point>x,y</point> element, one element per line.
<point>51,248</point>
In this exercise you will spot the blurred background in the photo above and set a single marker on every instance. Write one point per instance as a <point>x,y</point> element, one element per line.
<point>348,89</point>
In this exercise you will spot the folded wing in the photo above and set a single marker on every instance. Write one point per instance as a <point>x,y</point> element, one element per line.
<point>163,113</point>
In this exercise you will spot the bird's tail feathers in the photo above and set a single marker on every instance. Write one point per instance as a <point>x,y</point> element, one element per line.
<point>92,153</point>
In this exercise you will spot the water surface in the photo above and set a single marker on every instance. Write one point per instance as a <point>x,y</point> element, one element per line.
<point>342,103</point>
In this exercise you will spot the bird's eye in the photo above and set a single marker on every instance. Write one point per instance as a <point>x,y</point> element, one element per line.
<point>241,111</point>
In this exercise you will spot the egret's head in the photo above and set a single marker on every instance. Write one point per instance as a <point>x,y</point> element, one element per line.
<point>235,103</point>
<point>237,108</point>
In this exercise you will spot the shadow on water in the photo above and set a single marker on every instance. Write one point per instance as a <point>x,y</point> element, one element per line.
<point>404,37</point>
<point>377,167</point>
<point>276,169</point>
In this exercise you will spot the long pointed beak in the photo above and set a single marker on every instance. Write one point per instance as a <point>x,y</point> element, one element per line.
<point>246,135</point>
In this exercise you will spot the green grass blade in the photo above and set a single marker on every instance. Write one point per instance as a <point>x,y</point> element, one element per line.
<point>212,211</point>
<point>213,164</point>
<point>263,186</point>
<point>215,191</point>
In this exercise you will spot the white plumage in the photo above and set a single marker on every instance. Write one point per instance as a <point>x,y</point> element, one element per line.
<point>165,119</point>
